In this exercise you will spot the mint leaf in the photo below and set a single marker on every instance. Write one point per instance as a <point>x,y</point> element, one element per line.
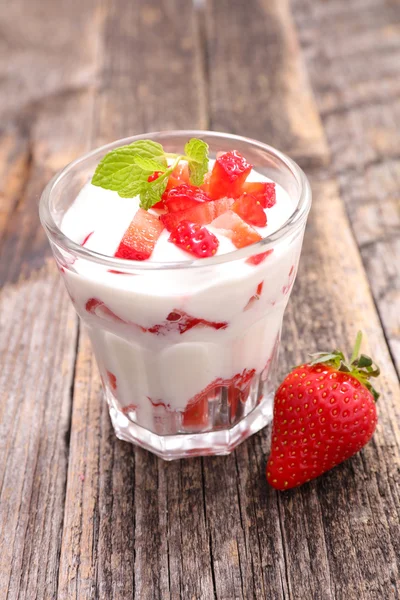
<point>116,170</point>
<point>119,171</point>
<point>126,169</point>
<point>152,192</point>
<point>149,149</point>
<point>149,164</point>
<point>197,155</point>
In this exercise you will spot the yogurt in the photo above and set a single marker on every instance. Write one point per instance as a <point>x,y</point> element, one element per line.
<point>170,340</point>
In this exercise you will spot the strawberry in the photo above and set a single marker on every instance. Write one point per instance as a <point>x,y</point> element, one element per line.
<point>249,208</point>
<point>178,176</point>
<point>202,214</point>
<point>184,196</point>
<point>236,229</point>
<point>195,414</point>
<point>264,192</point>
<point>324,412</point>
<point>259,258</point>
<point>154,176</point>
<point>205,186</point>
<point>228,175</point>
<point>194,239</point>
<point>141,236</point>
<point>180,322</point>
<point>196,411</point>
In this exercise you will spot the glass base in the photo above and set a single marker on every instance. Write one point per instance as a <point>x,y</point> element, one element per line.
<point>170,447</point>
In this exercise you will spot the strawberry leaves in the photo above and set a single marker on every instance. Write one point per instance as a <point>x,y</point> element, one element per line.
<point>361,367</point>
<point>126,170</point>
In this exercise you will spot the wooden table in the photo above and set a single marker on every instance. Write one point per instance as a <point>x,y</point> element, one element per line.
<point>84,515</point>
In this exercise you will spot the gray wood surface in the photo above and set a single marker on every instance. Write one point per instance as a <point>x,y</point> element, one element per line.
<point>86,516</point>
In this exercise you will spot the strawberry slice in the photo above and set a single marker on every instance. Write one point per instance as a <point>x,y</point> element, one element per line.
<point>236,229</point>
<point>249,208</point>
<point>184,196</point>
<point>202,214</point>
<point>258,258</point>
<point>228,175</point>
<point>205,186</point>
<point>264,192</point>
<point>194,239</point>
<point>178,176</point>
<point>196,413</point>
<point>180,322</point>
<point>140,237</point>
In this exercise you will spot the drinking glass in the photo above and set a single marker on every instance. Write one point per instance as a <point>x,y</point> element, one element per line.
<point>187,351</point>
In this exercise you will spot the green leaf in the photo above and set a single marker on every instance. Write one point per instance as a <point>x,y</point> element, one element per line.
<point>119,170</point>
<point>149,164</point>
<point>116,169</point>
<point>149,149</point>
<point>152,192</point>
<point>197,154</point>
<point>363,361</point>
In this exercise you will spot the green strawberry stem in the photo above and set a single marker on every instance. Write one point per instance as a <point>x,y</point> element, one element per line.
<point>359,366</point>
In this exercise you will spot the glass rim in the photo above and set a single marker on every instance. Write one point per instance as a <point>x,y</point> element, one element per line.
<point>294,222</point>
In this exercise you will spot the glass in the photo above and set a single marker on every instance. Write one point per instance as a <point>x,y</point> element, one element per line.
<point>187,351</point>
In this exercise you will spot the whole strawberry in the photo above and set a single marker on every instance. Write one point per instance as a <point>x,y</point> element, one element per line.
<point>324,412</point>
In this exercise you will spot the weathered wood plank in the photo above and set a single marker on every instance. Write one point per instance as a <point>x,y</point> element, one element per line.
<point>325,528</point>
<point>356,516</point>
<point>42,128</point>
<point>257,76</point>
<point>356,78</point>
<point>155,544</point>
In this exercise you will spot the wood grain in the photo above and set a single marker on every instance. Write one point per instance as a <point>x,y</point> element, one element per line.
<point>159,541</point>
<point>257,76</point>
<point>86,516</point>
<point>42,118</point>
<point>360,108</point>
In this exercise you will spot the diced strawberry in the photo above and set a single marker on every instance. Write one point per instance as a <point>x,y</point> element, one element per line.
<point>249,208</point>
<point>228,175</point>
<point>205,186</point>
<point>258,258</point>
<point>180,322</point>
<point>194,239</point>
<point>184,196</point>
<point>264,192</point>
<point>196,413</point>
<point>140,237</point>
<point>178,176</point>
<point>202,214</point>
<point>154,176</point>
<point>236,229</point>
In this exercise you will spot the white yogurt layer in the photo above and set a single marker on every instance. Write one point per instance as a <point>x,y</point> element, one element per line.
<point>165,365</point>
<point>106,216</point>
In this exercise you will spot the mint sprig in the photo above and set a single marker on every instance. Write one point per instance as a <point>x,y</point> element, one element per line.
<point>197,155</point>
<point>126,170</point>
